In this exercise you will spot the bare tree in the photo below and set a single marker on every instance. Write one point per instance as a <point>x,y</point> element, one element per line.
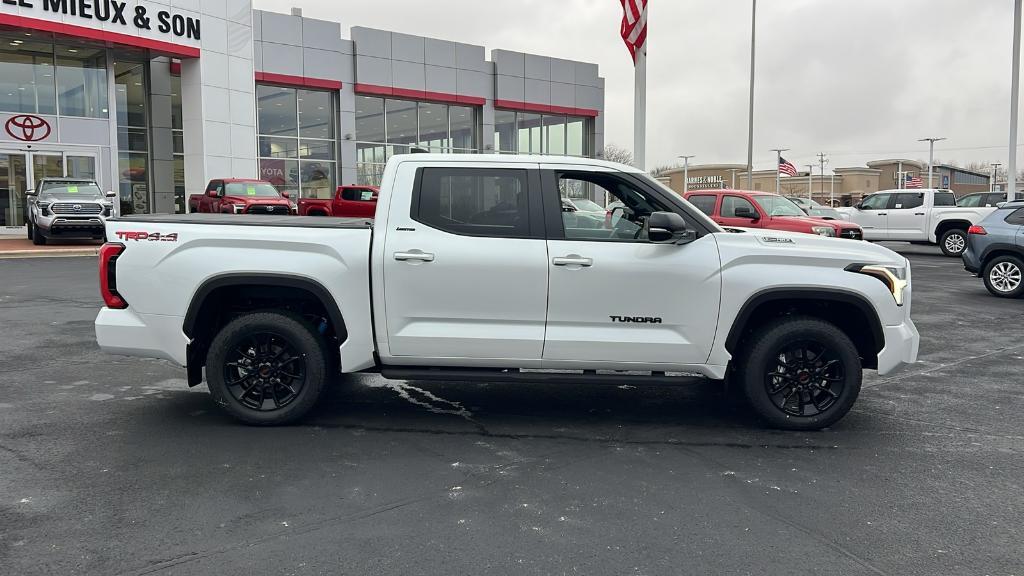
<point>613,153</point>
<point>660,170</point>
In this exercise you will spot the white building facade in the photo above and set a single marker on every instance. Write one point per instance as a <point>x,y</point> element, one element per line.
<point>154,99</point>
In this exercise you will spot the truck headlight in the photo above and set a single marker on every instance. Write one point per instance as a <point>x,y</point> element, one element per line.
<point>239,208</point>
<point>894,277</point>
<point>824,230</point>
<point>43,208</point>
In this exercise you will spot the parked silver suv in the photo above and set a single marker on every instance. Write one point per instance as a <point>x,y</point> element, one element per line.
<point>67,208</point>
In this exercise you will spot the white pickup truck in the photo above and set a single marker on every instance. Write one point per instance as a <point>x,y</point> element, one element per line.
<point>927,216</point>
<point>469,271</point>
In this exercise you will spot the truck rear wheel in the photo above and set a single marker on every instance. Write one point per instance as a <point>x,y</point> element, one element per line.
<point>953,242</point>
<point>800,373</point>
<point>267,368</point>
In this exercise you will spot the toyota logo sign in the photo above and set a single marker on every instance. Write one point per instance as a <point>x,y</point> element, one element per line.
<point>27,127</point>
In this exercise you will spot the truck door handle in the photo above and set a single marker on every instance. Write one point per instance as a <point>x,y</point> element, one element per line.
<point>883,213</point>
<point>572,260</point>
<point>918,213</point>
<point>414,255</point>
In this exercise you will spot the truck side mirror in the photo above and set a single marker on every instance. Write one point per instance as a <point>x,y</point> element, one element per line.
<point>31,192</point>
<point>111,194</point>
<point>212,193</point>
<point>746,212</point>
<point>668,228</point>
<point>285,194</point>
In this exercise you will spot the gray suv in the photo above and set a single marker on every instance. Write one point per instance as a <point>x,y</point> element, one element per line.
<point>995,250</point>
<point>67,208</point>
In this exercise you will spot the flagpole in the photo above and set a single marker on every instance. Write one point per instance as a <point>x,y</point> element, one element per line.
<point>640,108</point>
<point>778,162</point>
<point>750,115</point>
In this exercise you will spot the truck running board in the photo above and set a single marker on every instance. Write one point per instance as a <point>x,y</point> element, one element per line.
<point>517,375</point>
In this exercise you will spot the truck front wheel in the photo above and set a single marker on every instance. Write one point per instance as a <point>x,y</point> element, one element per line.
<point>800,373</point>
<point>267,368</point>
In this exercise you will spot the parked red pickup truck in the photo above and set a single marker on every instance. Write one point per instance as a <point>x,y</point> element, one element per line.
<point>745,209</point>
<point>240,196</point>
<point>349,201</point>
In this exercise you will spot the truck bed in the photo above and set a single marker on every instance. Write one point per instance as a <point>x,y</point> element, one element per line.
<point>249,220</point>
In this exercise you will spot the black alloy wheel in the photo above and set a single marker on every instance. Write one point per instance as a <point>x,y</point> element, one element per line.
<point>267,367</point>
<point>265,372</point>
<point>799,373</point>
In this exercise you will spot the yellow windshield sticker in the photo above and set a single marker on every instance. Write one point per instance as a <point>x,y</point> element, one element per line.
<point>250,190</point>
<point>72,189</point>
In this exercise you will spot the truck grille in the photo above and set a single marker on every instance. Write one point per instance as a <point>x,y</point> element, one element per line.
<point>267,209</point>
<point>852,234</point>
<point>72,208</point>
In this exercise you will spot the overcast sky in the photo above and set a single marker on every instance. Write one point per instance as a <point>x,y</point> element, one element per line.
<point>857,80</point>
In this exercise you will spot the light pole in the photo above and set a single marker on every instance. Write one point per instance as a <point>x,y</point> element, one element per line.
<point>750,117</point>
<point>1011,165</point>
<point>778,162</point>
<point>995,176</point>
<point>822,160</point>
<point>931,153</point>
<point>733,178</point>
<point>832,191</point>
<point>686,172</point>
<point>810,174</point>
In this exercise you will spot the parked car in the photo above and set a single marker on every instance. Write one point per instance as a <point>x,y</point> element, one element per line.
<point>470,272</point>
<point>927,216</point>
<point>984,199</point>
<point>995,250</point>
<point>583,213</point>
<point>349,201</point>
<point>812,208</point>
<point>67,208</point>
<point>766,210</point>
<point>240,196</point>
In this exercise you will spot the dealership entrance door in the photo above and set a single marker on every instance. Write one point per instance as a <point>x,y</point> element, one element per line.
<point>20,170</point>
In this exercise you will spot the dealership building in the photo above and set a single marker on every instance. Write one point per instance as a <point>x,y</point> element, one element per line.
<point>154,99</point>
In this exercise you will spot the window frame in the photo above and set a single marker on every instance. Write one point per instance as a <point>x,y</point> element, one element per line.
<point>534,207</point>
<point>555,229</point>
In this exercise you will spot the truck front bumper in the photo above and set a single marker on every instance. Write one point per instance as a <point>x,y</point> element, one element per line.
<point>129,333</point>
<point>901,346</point>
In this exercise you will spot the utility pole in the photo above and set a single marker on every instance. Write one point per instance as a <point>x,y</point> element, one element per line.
<point>750,117</point>
<point>733,178</point>
<point>931,154</point>
<point>778,161</point>
<point>1011,165</point>
<point>821,161</point>
<point>686,172</point>
<point>832,191</point>
<point>995,176</point>
<point>810,174</point>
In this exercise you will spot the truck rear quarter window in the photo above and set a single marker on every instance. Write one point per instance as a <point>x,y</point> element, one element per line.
<point>474,201</point>
<point>357,194</point>
<point>945,199</point>
<point>703,202</point>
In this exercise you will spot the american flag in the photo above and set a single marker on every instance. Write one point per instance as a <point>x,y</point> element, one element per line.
<point>912,182</point>
<point>786,168</point>
<point>634,25</point>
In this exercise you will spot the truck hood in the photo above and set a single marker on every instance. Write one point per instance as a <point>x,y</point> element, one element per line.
<point>65,197</point>
<point>760,243</point>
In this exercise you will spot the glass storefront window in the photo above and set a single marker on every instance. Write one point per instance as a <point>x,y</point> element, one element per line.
<point>575,137</point>
<point>433,134</point>
<point>81,81</point>
<point>81,166</point>
<point>504,131</point>
<point>315,118</point>
<point>132,182</point>
<point>463,126</point>
<point>130,93</point>
<point>132,135</point>
<point>26,76</point>
<point>529,133</point>
<point>401,122</point>
<point>178,146</point>
<point>385,127</point>
<point>554,135</point>
<point>277,110</point>
<point>296,140</point>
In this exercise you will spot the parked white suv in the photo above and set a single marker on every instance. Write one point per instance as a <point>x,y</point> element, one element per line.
<point>67,208</point>
<point>927,216</point>
<point>472,270</point>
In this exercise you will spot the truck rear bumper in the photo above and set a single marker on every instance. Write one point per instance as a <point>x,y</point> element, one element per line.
<point>901,345</point>
<point>148,335</point>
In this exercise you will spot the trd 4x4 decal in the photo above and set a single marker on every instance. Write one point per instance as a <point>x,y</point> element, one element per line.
<point>150,236</point>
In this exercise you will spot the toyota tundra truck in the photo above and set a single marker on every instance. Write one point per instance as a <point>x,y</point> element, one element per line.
<point>469,271</point>
<point>240,196</point>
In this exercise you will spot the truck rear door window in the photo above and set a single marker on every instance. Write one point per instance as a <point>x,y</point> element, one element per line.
<point>703,202</point>
<point>945,199</point>
<point>474,201</point>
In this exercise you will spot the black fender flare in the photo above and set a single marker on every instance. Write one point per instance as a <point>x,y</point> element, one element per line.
<point>805,294</point>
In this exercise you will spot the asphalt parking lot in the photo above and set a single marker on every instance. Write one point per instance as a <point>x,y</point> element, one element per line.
<point>111,465</point>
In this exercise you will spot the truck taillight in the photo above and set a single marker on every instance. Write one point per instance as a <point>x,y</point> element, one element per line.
<point>979,230</point>
<point>109,253</point>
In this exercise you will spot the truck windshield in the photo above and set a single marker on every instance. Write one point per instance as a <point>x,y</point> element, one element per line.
<point>778,206</point>
<point>261,189</point>
<point>79,188</point>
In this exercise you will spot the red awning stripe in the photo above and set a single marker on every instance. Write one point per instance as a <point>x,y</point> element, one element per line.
<point>426,95</point>
<point>110,38</point>
<point>545,108</point>
<point>298,81</point>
